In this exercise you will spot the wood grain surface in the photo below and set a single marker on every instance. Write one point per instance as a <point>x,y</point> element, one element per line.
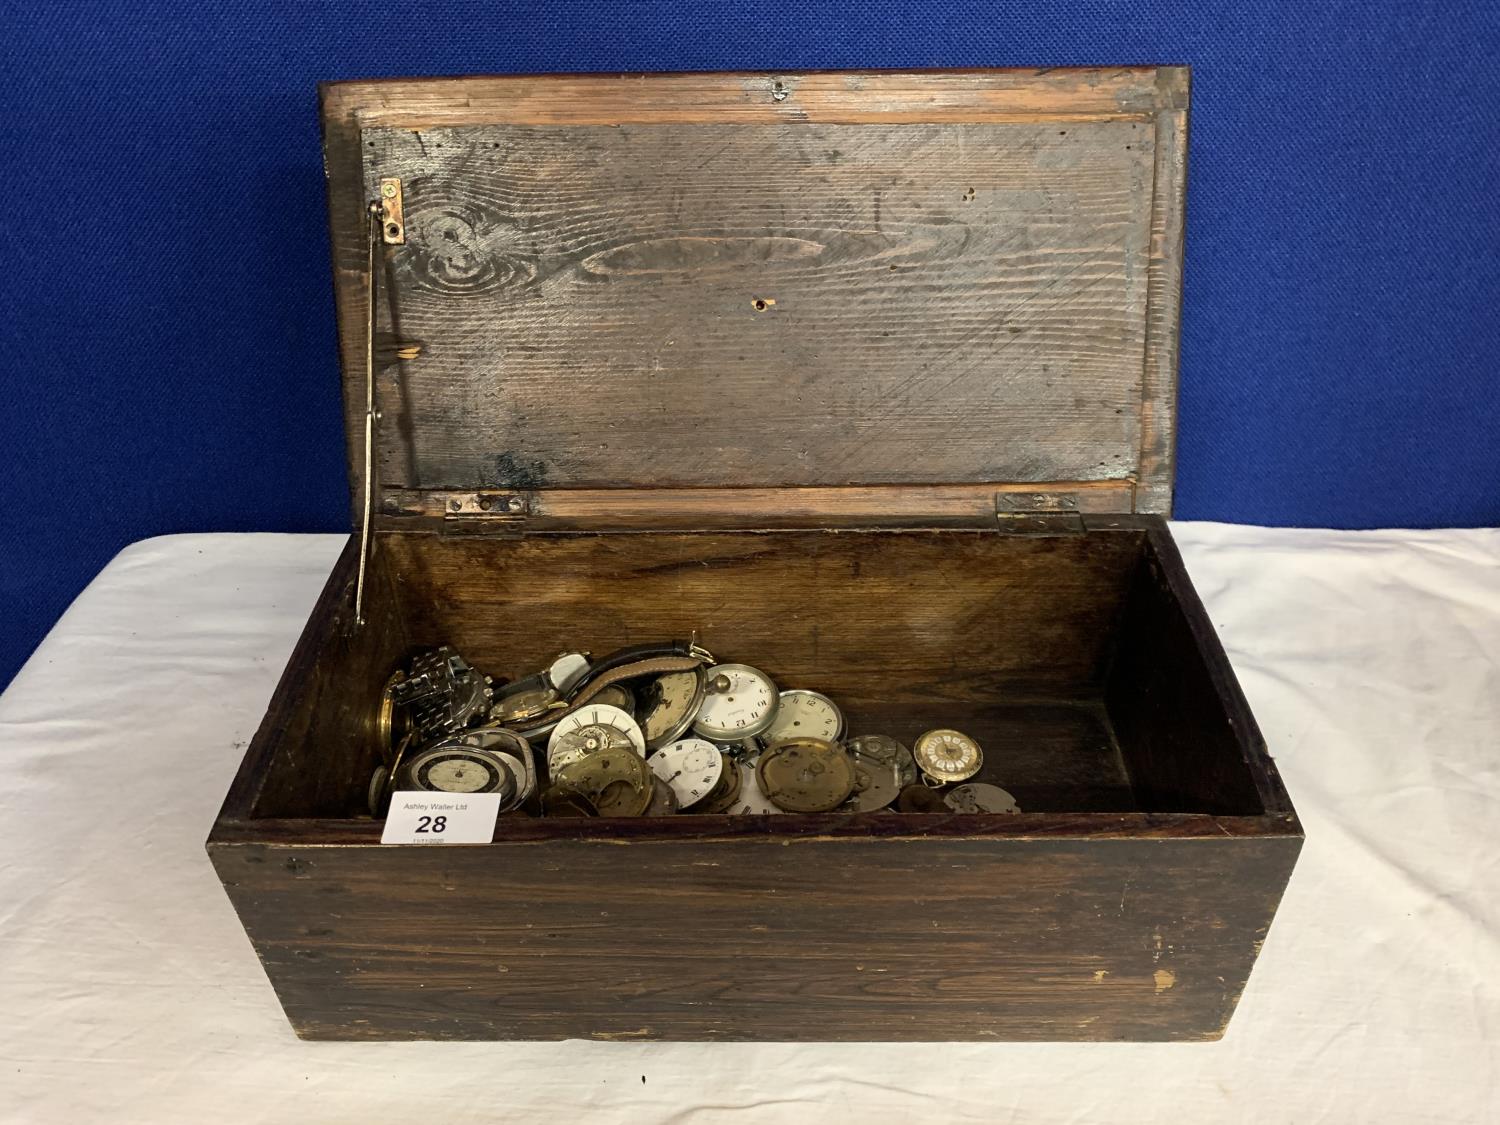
<point>744,509</point>
<point>610,251</point>
<point>876,939</point>
<point>1091,916</point>
<point>956,616</point>
<point>692,305</point>
<point>842,97</point>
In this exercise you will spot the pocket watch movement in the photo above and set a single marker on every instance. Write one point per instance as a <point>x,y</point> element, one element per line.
<point>945,756</point>
<point>614,782</point>
<point>805,775</point>
<point>739,701</point>
<point>691,767</point>
<point>663,801</point>
<point>876,783</point>
<point>807,713</point>
<point>883,748</point>
<point>590,730</point>
<point>977,797</point>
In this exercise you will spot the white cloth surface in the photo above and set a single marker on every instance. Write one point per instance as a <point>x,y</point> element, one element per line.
<point>129,992</point>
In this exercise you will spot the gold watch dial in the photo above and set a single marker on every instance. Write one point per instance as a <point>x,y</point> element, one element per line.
<point>947,755</point>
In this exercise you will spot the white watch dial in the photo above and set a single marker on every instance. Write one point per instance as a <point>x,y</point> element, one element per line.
<point>751,799</point>
<point>691,767</point>
<point>740,702</point>
<point>805,713</point>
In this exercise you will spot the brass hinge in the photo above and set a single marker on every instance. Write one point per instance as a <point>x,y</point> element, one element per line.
<point>1038,513</point>
<point>392,214</point>
<point>486,513</point>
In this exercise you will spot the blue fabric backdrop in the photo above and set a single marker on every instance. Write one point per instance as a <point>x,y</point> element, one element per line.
<point>166,324</point>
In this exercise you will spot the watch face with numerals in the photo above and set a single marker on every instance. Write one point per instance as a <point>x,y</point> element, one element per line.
<point>669,704</point>
<point>691,767</point>
<point>947,755</point>
<point>806,713</point>
<point>740,701</point>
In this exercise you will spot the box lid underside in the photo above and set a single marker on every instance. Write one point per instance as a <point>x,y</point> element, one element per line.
<point>686,281</point>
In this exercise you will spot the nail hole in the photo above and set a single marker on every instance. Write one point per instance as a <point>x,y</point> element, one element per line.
<point>761,304</point>
<point>969,195</point>
<point>393,230</point>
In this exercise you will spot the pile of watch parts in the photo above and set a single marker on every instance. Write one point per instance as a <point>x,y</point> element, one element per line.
<point>655,730</point>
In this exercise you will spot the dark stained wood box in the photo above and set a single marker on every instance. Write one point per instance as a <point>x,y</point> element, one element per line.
<point>871,379</point>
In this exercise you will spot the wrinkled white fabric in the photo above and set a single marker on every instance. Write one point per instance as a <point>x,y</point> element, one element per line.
<point>129,993</point>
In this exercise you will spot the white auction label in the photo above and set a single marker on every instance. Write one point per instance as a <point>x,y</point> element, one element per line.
<point>441,818</point>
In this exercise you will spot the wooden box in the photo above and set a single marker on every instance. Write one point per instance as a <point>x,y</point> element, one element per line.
<point>869,378</point>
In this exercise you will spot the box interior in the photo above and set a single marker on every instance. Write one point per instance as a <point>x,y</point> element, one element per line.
<point>1067,656</point>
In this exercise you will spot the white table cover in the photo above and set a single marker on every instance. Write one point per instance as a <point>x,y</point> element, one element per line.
<point>129,993</point>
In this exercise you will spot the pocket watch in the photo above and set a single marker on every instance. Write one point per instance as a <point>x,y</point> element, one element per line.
<point>739,701</point>
<point>590,730</point>
<point>478,761</point>
<point>947,755</point>
<point>977,797</point>
<point>808,713</point>
<point>805,774</point>
<point>669,704</point>
<point>691,767</point>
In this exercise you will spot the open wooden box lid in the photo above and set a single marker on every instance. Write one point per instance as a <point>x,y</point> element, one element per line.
<point>826,291</point>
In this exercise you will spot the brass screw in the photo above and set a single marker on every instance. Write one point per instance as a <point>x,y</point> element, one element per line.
<point>388,190</point>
